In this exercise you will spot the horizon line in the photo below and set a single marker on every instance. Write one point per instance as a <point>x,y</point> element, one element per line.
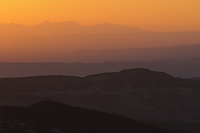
<point>47,21</point>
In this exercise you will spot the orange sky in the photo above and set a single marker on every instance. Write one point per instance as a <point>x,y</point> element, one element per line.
<point>154,15</point>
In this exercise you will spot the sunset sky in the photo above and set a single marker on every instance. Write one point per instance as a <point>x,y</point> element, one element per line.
<point>154,15</point>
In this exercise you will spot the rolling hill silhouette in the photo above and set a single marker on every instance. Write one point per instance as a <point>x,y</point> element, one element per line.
<point>117,81</point>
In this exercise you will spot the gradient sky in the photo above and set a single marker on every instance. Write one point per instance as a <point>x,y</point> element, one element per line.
<point>154,15</point>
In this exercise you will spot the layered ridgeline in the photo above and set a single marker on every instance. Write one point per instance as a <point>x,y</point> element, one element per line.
<point>139,94</point>
<point>71,42</point>
<point>53,117</point>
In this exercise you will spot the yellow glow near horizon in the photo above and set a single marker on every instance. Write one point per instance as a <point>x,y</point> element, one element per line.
<point>154,15</point>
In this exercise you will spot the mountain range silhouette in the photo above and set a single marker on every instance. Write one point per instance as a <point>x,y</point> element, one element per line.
<point>68,27</point>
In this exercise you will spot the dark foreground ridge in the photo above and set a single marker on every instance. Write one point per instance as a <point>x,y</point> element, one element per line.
<point>53,117</point>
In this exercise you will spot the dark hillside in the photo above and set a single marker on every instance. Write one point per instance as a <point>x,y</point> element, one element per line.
<point>53,117</point>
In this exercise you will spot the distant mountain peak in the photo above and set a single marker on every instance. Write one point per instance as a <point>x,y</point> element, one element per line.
<point>46,22</point>
<point>60,23</point>
<point>108,24</point>
<point>71,22</point>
